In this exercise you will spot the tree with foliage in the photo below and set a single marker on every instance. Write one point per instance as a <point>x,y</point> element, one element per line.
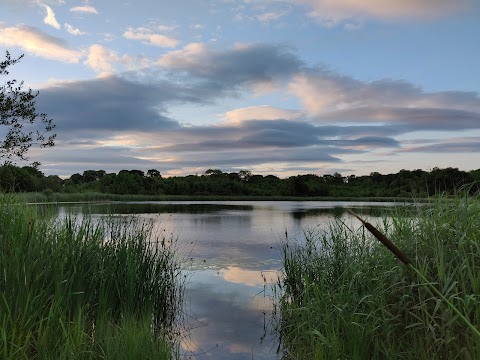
<point>153,173</point>
<point>19,118</point>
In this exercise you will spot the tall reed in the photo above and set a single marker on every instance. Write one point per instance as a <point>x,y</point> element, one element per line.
<point>72,288</point>
<point>343,295</point>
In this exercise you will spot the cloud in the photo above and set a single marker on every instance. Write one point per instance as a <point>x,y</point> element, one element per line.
<point>271,16</point>
<point>454,145</point>
<point>321,91</point>
<point>23,3</point>
<point>106,105</point>
<point>86,9</point>
<point>227,70</point>
<point>67,159</point>
<point>111,110</point>
<point>263,112</point>
<point>238,275</point>
<point>104,60</point>
<point>328,97</point>
<point>100,58</point>
<point>366,143</point>
<point>147,37</point>
<point>165,28</point>
<point>232,306</point>
<point>331,13</point>
<point>341,117</point>
<point>410,119</point>
<point>50,18</point>
<point>73,31</point>
<point>38,43</point>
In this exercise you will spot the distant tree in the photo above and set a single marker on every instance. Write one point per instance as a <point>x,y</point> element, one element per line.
<point>297,186</point>
<point>153,173</point>
<point>137,172</point>
<point>376,177</point>
<point>53,182</point>
<point>234,176</point>
<point>106,182</point>
<point>350,179</point>
<point>245,175</point>
<point>128,182</point>
<point>19,116</point>
<point>214,172</point>
<point>338,178</point>
<point>76,179</point>
<point>89,175</point>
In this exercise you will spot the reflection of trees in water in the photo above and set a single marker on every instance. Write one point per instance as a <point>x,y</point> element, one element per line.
<point>339,211</point>
<point>149,208</point>
<point>223,218</point>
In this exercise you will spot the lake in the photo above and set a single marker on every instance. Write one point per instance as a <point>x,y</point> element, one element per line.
<point>232,252</point>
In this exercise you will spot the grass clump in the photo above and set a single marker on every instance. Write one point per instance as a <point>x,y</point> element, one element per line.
<point>342,295</point>
<point>83,288</point>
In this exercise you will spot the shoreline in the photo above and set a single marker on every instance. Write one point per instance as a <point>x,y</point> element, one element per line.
<point>89,198</point>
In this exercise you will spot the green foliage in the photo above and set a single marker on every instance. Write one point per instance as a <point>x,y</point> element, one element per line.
<point>342,295</point>
<point>84,289</point>
<point>404,184</point>
<point>19,117</point>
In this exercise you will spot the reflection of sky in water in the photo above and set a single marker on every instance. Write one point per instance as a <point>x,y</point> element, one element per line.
<point>230,316</point>
<point>231,244</point>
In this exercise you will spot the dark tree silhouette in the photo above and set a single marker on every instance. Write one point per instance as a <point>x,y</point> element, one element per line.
<point>19,118</point>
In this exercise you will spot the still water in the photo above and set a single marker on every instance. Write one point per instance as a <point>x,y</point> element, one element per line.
<point>232,253</point>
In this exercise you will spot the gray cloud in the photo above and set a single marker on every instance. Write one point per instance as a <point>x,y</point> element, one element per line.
<point>65,159</point>
<point>274,134</point>
<point>244,64</point>
<point>140,100</point>
<point>108,104</point>
<point>323,92</point>
<point>465,146</point>
<point>369,142</point>
<point>347,116</point>
<point>410,119</point>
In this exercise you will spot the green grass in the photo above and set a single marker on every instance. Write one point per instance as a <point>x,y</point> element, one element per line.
<point>75,288</point>
<point>343,295</point>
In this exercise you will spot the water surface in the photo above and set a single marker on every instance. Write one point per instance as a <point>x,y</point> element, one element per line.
<point>233,253</point>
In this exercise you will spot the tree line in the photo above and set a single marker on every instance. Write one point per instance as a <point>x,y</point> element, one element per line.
<point>22,126</point>
<point>405,183</point>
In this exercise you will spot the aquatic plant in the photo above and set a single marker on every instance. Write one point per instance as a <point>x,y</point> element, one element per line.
<point>85,288</point>
<point>343,295</point>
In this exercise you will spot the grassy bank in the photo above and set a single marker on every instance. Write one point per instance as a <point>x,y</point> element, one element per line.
<point>39,197</point>
<point>84,289</point>
<point>342,295</point>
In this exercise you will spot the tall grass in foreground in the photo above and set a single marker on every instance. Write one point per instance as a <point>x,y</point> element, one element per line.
<point>342,295</point>
<point>84,289</point>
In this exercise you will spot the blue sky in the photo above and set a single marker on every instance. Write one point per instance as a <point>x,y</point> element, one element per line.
<point>280,87</point>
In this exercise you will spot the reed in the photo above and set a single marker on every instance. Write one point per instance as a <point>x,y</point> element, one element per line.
<point>343,295</point>
<point>72,288</point>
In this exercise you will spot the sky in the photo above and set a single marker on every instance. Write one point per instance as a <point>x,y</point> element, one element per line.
<point>281,87</point>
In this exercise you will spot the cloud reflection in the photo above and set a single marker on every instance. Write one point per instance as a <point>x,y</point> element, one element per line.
<point>232,318</point>
<point>238,275</point>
